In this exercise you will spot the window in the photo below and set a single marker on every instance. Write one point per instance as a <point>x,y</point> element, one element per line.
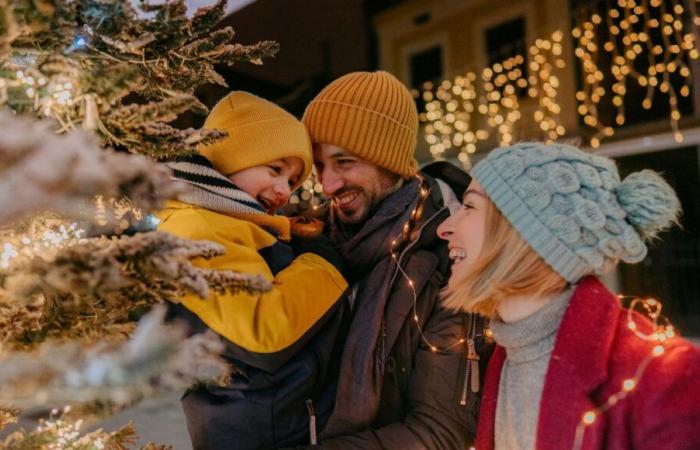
<point>426,65</point>
<point>505,41</point>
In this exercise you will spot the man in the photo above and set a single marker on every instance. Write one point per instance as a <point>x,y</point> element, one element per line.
<point>405,380</point>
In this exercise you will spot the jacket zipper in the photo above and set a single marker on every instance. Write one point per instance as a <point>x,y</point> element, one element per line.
<point>312,422</point>
<point>471,373</point>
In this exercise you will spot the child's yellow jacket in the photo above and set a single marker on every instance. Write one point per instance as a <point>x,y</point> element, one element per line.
<point>259,323</point>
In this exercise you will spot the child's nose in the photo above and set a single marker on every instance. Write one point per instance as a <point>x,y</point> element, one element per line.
<point>282,189</point>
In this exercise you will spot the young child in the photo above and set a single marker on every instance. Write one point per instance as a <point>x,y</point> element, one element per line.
<point>537,223</point>
<point>283,343</point>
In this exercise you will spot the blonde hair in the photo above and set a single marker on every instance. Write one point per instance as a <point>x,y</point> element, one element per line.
<point>507,266</point>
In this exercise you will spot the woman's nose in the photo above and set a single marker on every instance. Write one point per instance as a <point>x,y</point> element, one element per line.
<point>444,231</point>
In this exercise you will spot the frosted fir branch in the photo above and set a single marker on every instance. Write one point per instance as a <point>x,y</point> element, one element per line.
<point>143,128</point>
<point>158,358</point>
<point>205,19</point>
<point>8,415</point>
<point>42,171</point>
<point>92,288</point>
<point>163,142</point>
<point>61,431</point>
<point>88,75</point>
<point>253,53</point>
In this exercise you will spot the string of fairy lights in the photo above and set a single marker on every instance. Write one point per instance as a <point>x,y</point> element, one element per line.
<point>648,43</point>
<point>661,332</point>
<point>400,246</point>
<point>471,108</point>
<point>622,45</point>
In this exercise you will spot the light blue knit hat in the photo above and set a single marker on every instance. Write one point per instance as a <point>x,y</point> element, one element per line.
<point>572,208</point>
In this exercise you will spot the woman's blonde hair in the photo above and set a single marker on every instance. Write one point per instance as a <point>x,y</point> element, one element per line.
<point>507,266</point>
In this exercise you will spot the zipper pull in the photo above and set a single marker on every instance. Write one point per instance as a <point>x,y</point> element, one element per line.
<point>473,358</point>
<point>312,421</point>
<point>463,400</point>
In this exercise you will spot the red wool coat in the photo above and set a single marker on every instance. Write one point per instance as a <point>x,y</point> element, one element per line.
<point>594,353</point>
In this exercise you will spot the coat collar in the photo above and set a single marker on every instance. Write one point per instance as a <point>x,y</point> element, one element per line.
<point>578,365</point>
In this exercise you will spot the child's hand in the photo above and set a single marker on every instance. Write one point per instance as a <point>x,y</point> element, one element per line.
<point>305,227</point>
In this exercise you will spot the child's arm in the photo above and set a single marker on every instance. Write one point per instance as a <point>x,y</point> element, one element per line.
<point>262,327</point>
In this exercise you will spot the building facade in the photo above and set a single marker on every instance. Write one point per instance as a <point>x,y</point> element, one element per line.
<point>620,78</point>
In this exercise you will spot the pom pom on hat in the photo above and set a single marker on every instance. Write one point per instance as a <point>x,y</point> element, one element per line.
<point>651,204</point>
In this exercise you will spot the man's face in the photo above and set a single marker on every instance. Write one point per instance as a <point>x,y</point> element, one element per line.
<point>354,185</point>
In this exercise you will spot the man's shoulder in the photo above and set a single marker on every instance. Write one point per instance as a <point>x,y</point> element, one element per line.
<point>451,176</point>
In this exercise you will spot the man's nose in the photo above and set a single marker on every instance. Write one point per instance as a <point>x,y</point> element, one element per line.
<point>331,181</point>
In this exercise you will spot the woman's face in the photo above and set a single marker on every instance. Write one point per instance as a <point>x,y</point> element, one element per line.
<point>464,231</point>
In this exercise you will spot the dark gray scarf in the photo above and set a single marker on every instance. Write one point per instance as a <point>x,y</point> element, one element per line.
<point>367,254</point>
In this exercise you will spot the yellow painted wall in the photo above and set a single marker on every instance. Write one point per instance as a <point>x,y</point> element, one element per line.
<point>460,25</point>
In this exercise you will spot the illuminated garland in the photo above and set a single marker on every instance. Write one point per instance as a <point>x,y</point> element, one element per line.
<point>466,110</point>
<point>462,112</point>
<point>630,28</point>
<point>399,246</point>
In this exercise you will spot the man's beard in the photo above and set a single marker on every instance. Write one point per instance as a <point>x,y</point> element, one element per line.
<point>370,207</point>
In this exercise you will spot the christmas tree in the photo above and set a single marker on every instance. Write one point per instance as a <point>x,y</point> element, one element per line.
<point>89,89</point>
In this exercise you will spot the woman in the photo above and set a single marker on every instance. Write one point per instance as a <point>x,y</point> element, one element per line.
<point>537,224</point>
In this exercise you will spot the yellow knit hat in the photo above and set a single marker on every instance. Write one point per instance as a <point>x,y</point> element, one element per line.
<point>258,132</point>
<point>370,114</point>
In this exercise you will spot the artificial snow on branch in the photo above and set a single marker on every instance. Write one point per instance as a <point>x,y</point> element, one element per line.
<point>104,280</point>
<point>158,358</point>
<point>61,432</point>
<point>78,61</point>
<point>40,170</point>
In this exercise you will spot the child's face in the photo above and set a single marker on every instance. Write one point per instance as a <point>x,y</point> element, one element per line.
<point>464,231</point>
<point>270,183</point>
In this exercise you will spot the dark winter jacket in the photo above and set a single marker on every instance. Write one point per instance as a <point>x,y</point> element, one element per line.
<point>426,397</point>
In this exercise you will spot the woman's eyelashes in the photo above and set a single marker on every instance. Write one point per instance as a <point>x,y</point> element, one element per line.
<point>276,169</point>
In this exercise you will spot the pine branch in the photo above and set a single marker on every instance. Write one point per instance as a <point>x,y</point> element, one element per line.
<point>40,170</point>
<point>105,280</point>
<point>8,416</point>
<point>65,433</point>
<point>157,359</point>
<point>144,127</point>
<point>103,51</point>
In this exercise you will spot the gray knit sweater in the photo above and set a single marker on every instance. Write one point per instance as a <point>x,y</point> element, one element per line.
<point>528,343</point>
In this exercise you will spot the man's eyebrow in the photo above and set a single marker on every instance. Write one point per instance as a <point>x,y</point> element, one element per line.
<point>341,154</point>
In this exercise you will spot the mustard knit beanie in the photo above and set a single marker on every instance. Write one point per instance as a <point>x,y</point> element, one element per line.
<point>258,132</point>
<point>371,115</point>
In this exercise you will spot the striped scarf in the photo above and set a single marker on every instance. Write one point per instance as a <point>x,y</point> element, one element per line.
<point>209,189</point>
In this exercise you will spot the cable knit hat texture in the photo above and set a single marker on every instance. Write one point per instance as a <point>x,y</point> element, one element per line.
<point>371,115</point>
<point>258,132</point>
<point>573,209</point>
